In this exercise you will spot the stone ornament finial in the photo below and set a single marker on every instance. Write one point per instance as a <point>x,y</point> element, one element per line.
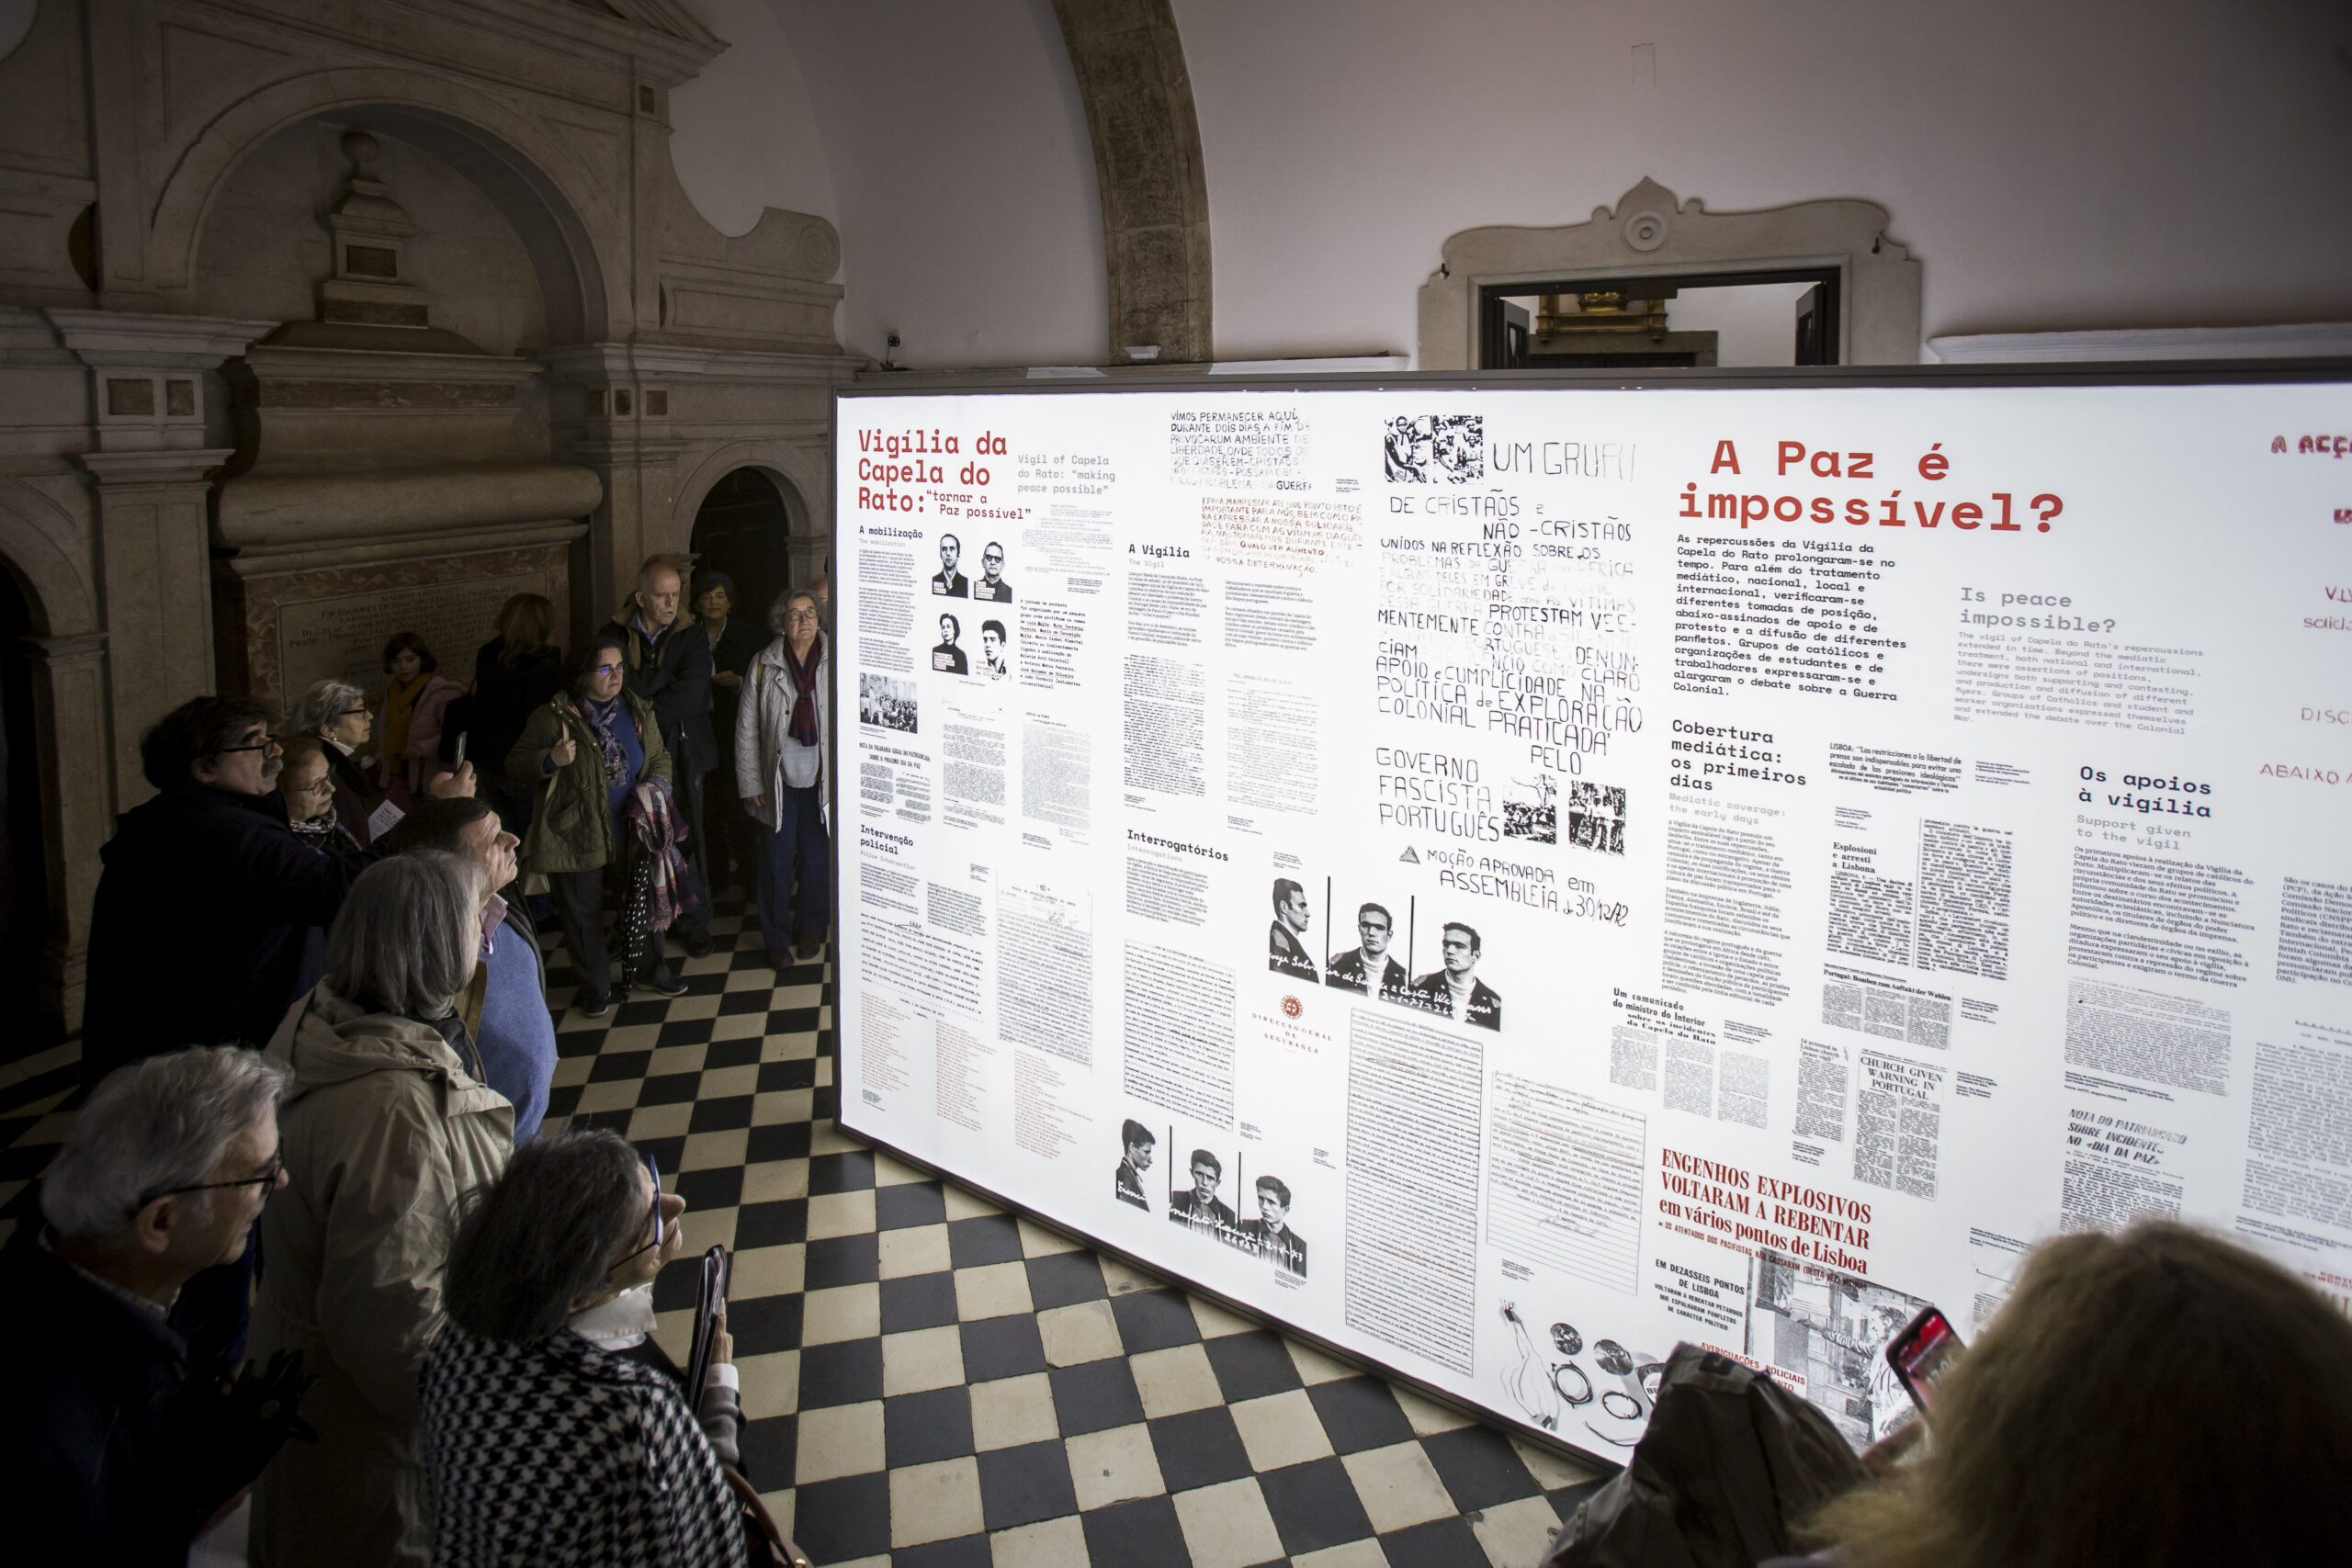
<point>362,149</point>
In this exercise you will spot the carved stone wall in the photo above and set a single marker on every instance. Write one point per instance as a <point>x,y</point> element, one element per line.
<point>195,466</point>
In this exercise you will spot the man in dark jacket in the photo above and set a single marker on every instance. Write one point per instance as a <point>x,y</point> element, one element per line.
<point>670,666</point>
<point>210,915</point>
<point>120,1445</point>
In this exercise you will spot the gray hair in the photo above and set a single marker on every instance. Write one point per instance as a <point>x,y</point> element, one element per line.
<point>778,610</point>
<point>156,1125</point>
<point>409,934</point>
<point>323,704</point>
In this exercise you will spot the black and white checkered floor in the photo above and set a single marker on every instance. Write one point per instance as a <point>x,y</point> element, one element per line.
<point>929,1381</point>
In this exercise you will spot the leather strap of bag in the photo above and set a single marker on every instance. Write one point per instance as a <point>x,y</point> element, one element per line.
<point>779,1543</point>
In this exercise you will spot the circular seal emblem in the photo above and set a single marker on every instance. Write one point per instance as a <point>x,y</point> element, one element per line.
<point>1292,1006</point>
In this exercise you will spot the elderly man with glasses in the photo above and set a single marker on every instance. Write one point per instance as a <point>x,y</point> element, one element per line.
<point>120,1445</point>
<point>211,913</point>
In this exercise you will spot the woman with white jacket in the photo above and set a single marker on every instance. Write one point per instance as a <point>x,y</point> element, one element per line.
<point>782,729</point>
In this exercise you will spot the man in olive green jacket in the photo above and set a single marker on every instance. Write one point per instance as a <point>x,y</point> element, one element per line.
<point>578,839</point>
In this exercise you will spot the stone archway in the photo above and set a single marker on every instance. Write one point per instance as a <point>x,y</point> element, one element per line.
<point>63,678</point>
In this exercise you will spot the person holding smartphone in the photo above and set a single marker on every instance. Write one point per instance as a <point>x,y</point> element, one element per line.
<point>549,1352</point>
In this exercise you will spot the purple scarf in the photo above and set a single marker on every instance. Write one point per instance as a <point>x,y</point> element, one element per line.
<point>600,717</point>
<point>803,728</point>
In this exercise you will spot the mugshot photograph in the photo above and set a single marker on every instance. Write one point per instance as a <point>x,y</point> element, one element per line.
<point>1199,1208</point>
<point>1137,1141</point>
<point>948,659</point>
<point>1455,991</point>
<point>947,580</point>
<point>1285,953</point>
<point>1270,1235</point>
<point>995,662</point>
<point>1368,968</point>
<point>992,585</point>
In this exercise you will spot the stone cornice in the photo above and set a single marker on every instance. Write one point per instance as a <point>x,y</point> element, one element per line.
<point>125,338</point>
<point>626,364</point>
<point>154,468</point>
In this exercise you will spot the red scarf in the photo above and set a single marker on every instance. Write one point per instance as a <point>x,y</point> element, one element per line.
<point>803,727</point>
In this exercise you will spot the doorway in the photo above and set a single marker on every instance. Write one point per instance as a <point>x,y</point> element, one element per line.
<point>744,529</point>
<point>1693,321</point>
<point>24,872</point>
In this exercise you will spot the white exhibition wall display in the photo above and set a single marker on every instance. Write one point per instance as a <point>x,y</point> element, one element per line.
<point>1505,879</point>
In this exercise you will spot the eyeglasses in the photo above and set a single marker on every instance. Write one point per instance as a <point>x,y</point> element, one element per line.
<point>654,1172</point>
<point>268,743</point>
<point>800,615</point>
<point>349,713</point>
<point>267,1181</point>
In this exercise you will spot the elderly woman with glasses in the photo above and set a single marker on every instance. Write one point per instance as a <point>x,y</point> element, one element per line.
<point>336,713</point>
<point>547,1363</point>
<point>782,733</point>
<point>386,1126</point>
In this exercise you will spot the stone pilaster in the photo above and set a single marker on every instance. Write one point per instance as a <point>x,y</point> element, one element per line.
<point>70,720</point>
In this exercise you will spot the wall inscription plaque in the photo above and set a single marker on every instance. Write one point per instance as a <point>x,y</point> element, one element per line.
<point>343,637</point>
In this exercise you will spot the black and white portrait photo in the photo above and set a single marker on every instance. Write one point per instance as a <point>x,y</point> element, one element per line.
<point>1137,1142</point>
<point>1285,952</point>
<point>954,584</point>
<point>992,585</point>
<point>887,702</point>
<point>1198,1207</point>
<point>1454,990</point>
<point>996,661</point>
<point>948,658</point>
<point>1367,968</point>
<point>1270,1235</point>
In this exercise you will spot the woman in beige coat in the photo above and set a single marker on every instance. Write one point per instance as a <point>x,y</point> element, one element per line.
<point>388,1124</point>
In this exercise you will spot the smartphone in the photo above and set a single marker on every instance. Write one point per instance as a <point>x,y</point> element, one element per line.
<point>716,1270</point>
<point>460,759</point>
<point>1921,1352</point>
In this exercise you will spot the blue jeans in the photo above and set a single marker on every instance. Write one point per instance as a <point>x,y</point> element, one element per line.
<point>797,846</point>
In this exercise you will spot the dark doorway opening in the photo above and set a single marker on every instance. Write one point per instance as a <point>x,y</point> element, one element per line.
<point>744,530</point>
<point>24,873</point>
<point>1633,323</point>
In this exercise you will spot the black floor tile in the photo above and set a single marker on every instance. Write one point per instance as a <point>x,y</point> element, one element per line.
<point>1478,1467</point>
<point>983,1238</point>
<point>666,1152</point>
<point>839,1522</point>
<point>963,1552</point>
<point>720,1187</point>
<point>825,1104</point>
<point>843,1260</point>
<point>1567,1500</point>
<point>1095,1396</point>
<point>764,1324</point>
<point>801,1073</point>
<point>792,1021</point>
<point>1020,1486</point>
<point>778,1140</point>
<point>670,1088</point>
<point>908,1203</point>
<point>772,1224</point>
<point>1154,1320</point>
<point>851,1172</point>
<point>847,1373</point>
<point>920,1301</point>
<point>731,1053</point>
<point>919,1428</point>
<point>770,1449</point>
<point>685,1031</point>
<point>1140,1534</point>
<point>1001,1348</point>
<point>1252,1365</point>
<point>734,1003</point>
<point>1359,1413</point>
<point>1313,1505</point>
<point>640,1010</point>
<point>1065,1278</point>
<point>612,1066</point>
<point>1439,1544</point>
<point>722,1113</point>
<point>1199,1448</point>
<point>563,1100</point>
